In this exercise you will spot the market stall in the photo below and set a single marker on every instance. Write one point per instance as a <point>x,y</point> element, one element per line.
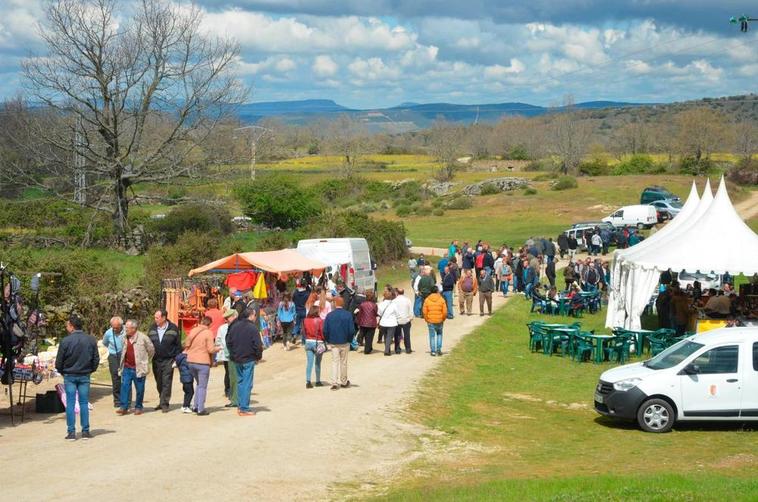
<point>712,238</point>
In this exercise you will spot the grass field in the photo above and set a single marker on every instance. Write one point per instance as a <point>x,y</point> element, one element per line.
<point>533,434</point>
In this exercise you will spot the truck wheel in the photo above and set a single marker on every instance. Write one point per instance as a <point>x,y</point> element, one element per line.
<point>655,415</point>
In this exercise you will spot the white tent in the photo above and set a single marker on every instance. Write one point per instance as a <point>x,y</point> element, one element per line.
<point>712,239</point>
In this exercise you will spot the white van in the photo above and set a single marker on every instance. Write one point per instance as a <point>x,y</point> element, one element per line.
<point>710,376</point>
<point>631,216</point>
<point>349,258</point>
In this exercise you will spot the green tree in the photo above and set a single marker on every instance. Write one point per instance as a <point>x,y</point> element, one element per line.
<point>277,202</point>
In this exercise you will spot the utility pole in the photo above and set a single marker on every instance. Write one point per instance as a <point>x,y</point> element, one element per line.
<point>80,177</point>
<point>257,133</point>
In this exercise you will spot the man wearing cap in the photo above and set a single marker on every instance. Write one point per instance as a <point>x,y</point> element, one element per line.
<point>222,356</point>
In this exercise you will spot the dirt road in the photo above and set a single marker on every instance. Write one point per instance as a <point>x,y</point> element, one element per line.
<point>299,443</point>
<point>748,208</point>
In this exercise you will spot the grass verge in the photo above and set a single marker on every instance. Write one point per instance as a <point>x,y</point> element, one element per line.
<point>536,436</point>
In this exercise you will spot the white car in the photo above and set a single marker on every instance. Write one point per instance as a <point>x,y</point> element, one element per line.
<point>707,281</point>
<point>710,376</point>
<point>668,206</point>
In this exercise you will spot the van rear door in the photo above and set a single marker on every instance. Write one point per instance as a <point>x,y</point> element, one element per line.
<point>749,382</point>
<point>712,387</point>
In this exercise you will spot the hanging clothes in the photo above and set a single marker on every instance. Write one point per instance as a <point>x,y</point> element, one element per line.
<point>259,292</point>
<point>242,281</point>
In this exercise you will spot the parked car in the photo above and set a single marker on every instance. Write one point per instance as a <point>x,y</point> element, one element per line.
<point>577,230</point>
<point>349,258</point>
<point>707,281</point>
<point>654,193</point>
<point>640,216</point>
<point>710,376</point>
<point>667,207</point>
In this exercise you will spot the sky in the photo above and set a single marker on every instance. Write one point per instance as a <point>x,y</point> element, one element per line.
<point>377,53</point>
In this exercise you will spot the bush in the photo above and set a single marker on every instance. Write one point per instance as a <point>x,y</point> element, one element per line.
<point>200,218</point>
<point>745,172</point>
<point>565,183</point>
<point>636,164</point>
<point>277,202</point>
<point>517,152</point>
<point>540,165</point>
<point>547,176</point>
<point>530,191</point>
<point>437,202</point>
<point>459,202</point>
<point>424,211</point>
<point>273,241</point>
<point>386,239</point>
<point>191,250</point>
<point>438,211</point>
<point>690,165</point>
<point>403,210</point>
<point>489,189</point>
<point>595,167</point>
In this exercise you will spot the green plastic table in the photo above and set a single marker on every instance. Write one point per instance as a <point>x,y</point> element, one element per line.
<point>597,341</point>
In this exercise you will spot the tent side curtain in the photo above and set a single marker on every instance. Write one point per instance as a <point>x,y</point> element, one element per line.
<point>281,261</point>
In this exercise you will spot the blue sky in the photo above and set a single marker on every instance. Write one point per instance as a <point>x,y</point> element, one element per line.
<point>384,52</point>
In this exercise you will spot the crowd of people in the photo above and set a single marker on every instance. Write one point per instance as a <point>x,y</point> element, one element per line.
<point>318,316</point>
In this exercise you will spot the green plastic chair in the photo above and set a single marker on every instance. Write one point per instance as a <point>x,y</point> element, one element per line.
<point>583,348</point>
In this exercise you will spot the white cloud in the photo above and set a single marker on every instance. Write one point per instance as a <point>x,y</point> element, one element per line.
<point>324,66</point>
<point>498,72</point>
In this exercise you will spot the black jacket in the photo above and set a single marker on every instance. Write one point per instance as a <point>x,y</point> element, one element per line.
<point>171,345</point>
<point>299,298</point>
<point>448,282</point>
<point>77,354</point>
<point>488,261</point>
<point>244,342</point>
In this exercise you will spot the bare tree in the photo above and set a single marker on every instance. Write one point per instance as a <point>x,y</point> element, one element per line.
<point>132,92</point>
<point>701,131</point>
<point>633,137</point>
<point>445,143</point>
<point>746,139</point>
<point>347,138</point>
<point>571,136</point>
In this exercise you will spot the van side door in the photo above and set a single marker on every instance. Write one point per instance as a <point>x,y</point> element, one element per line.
<point>711,384</point>
<point>750,383</point>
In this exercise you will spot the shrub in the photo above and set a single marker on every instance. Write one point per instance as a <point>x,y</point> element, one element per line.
<point>690,165</point>
<point>386,239</point>
<point>745,172</point>
<point>459,202</point>
<point>191,250</point>
<point>273,241</point>
<point>540,165</point>
<point>547,176</point>
<point>403,210</point>
<point>438,211</point>
<point>636,164</point>
<point>201,218</point>
<point>277,202</point>
<point>517,152</point>
<point>489,189</point>
<point>594,167</point>
<point>530,191</point>
<point>565,183</point>
<point>437,202</point>
<point>424,211</point>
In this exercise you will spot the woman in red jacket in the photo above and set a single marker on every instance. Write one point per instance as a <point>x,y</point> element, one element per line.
<point>367,313</point>
<point>313,326</point>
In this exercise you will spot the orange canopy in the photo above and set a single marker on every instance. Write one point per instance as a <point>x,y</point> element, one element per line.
<point>282,261</point>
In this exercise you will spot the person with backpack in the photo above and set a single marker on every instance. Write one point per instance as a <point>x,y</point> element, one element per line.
<point>467,287</point>
<point>77,359</point>
<point>435,312</point>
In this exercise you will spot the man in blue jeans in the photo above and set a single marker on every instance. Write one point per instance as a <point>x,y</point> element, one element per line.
<point>133,366</point>
<point>245,348</point>
<point>77,359</point>
<point>449,281</point>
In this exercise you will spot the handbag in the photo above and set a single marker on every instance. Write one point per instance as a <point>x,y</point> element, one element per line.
<point>320,347</point>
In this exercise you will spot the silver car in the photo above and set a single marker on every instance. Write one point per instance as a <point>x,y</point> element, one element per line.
<point>668,206</point>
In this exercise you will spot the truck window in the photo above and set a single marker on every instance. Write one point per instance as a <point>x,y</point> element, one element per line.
<point>718,360</point>
<point>755,356</point>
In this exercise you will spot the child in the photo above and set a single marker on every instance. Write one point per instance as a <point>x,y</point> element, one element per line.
<point>185,377</point>
<point>265,330</point>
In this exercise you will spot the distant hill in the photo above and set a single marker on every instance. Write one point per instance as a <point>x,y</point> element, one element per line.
<point>413,116</point>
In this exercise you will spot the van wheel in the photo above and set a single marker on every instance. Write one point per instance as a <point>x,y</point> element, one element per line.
<point>640,226</point>
<point>655,415</point>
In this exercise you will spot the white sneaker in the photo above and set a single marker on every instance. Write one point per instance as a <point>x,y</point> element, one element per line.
<point>186,410</point>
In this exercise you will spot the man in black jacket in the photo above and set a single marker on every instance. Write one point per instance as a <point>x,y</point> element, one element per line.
<point>168,344</point>
<point>77,359</point>
<point>245,348</point>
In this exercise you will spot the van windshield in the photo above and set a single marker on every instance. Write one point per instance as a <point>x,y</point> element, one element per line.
<point>673,355</point>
